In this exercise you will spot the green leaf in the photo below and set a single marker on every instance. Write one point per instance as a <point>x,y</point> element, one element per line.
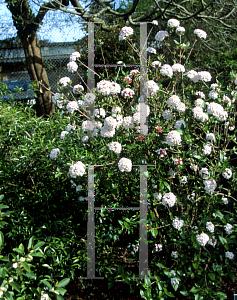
<point>231,275</point>
<point>154,232</point>
<point>169,294</point>
<point>31,240</point>
<point>1,197</point>
<point>166,185</point>
<point>59,297</point>
<point>21,247</point>
<point>39,245</point>
<point>1,238</point>
<point>26,267</point>
<point>30,275</point>
<point>18,250</point>
<point>211,276</point>
<point>61,291</point>
<point>44,281</point>
<point>15,285</point>
<point>110,284</point>
<point>159,265</point>
<point>221,295</point>
<point>184,293</point>
<point>219,214</point>
<point>194,290</point>
<point>222,240</point>
<point>120,269</point>
<point>63,282</point>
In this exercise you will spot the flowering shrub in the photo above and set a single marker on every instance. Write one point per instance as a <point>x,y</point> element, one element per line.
<point>185,139</point>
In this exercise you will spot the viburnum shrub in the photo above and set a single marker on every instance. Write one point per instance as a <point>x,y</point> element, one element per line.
<point>186,131</point>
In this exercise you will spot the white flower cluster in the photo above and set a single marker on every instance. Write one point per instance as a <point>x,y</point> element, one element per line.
<point>156,63</point>
<point>87,125</point>
<point>72,106</point>
<point>194,167</point>
<point>128,93</point>
<point>178,68</point>
<point>173,102</point>
<point>202,239</point>
<point>115,110</point>
<point>125,165</point>
<point>200,33</point>
<point>166,70</point>
<point>192,75</point>
<point>183,180</point>
<point>173,138</point>
<point>226,100</point>
<point>72,66</point>
<point>70,127</point>
<point>212,241</point>
<point>179,123</point>
<point>167,115</point>
<point>225,200</point>
<point>151,50</point>
<point>161,152</point>
<point>210,137</point>
<point>174,281</point>
<point>169,199</point>
<point>125,32</point>
<point>143,109</point>
<point>204,173</point>
<point>215,86</point>
<point>207,149</point>
<point>210,185</point>
<point>64,81</point>
<point>213,95</point>
<point>78,169</point>
<point>89,98</point>
<point>179,30</point>
<point>158,247</point>
<point>128,122</point>
<point>100,112</point>
<point>74,56</point>
<point>77,89</point>
<point>210,227</point>
<point>229,255</point>
<point>63,134</point>
<point>157,196</point>
<point>152,88</point>
<point>161,35</point>
<point>217,111</point>
<point>201,94</point>
<point>227,174</point>
<point>174,254</point>
<point>205,76</point>
<point>199,114</point>
<point>134,72</point>
<point>106,87</point>
<point>228,228</point>
<point>44,296</point>
<point>108,130</point>
<point>173,23</point>
<point>199,102</point>
<point>54,153</point>
<point>116,147</point>
<point>178,224</point>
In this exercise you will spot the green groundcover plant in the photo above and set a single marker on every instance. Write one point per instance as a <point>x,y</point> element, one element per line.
<point>191,186</point>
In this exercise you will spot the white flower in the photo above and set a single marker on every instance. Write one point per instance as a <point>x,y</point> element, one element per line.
<point>158,247</point>
<point>193,75</point>
<point>128,122</point>
<point>173,23</point>
<point>191,197</point>
<point>85,139</point>
<point>166,70</point>
<point>173,138</point>
<point>72,66</point>
<point>210,227</point>
<point>151,50</point>
<point>105,132</point>
<point>44,296</point>
<point>60,104</point>
<point>161,35</point>
<point>183,180</point>
<point>63,133</point>
<point>210,137</point>
<point>87,125</point>
<point>110,123</point>
<point>119,62</point>
<point>78,188</point>
<point>89,98</point>
<point>173,101</point>
<point>99,113</point>
<point>210,185</point>
<point>205,76</point>
<point>74,56</point>
<point>174,281</point>
<point>81,198</point>
<point>204,173</point>
<point>64,81</point>
<point>200,33</point>
<point>225,200</point>
<point>227,100</point>
<point>156,63</point>
<point>172,173</point>
<point>56,97</point>
<point>202,239</point>
<point>199,102</point>
<point>227,174</point>
<point>78,169</point>
<point>72,106</point>
<point>178,224</point>
<point>17,265</point>
<point>54,153</point>
<point>106,87</point>
<point>152,88</point>
<point>212,241</point>
<point>116,110</point>
<point>201,94</point>
<point>231,128</point>
<point>213,95</point>
<point>157,196</point>
<point>125,32</point>
<point>125,165</point>
<point>167,115</point>
<point>195,229</point>
<point>70,127</point>
<point>229,255</point>
<point>128,93</point>
<point>228,228</point>
<point>179,30</point>
<point>116,147</point>
<point>217,111</point>
<point>134,72</point>
<point>155,22</point>
<point>181,107</point>
<point>174,254</point>
<point>178,68</point>
<point>207,149</point>
<point>172,272</point>
<point>179,123</point>
<point>169,199</point>
<point>194,167</point>
<point>161,152</point>
<point>81,103</point>
<point>119,119</point>
<point>215,86</point>
<point>77,88</point>
<point>114,88</point>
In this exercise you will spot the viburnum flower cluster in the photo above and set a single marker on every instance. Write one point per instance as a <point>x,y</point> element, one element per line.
<point>169,199</point>
<point>106,87</point>
<point>125,165</point>
<point>125,32</point>
<point>202,239</point>
<point>78,169</point>
<point>173,138</point>
<point>177,223</point>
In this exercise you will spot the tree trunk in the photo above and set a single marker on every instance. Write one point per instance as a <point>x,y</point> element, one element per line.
<point>37,72</point>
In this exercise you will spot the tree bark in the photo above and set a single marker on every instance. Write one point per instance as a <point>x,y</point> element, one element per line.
<point>37,72</point>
